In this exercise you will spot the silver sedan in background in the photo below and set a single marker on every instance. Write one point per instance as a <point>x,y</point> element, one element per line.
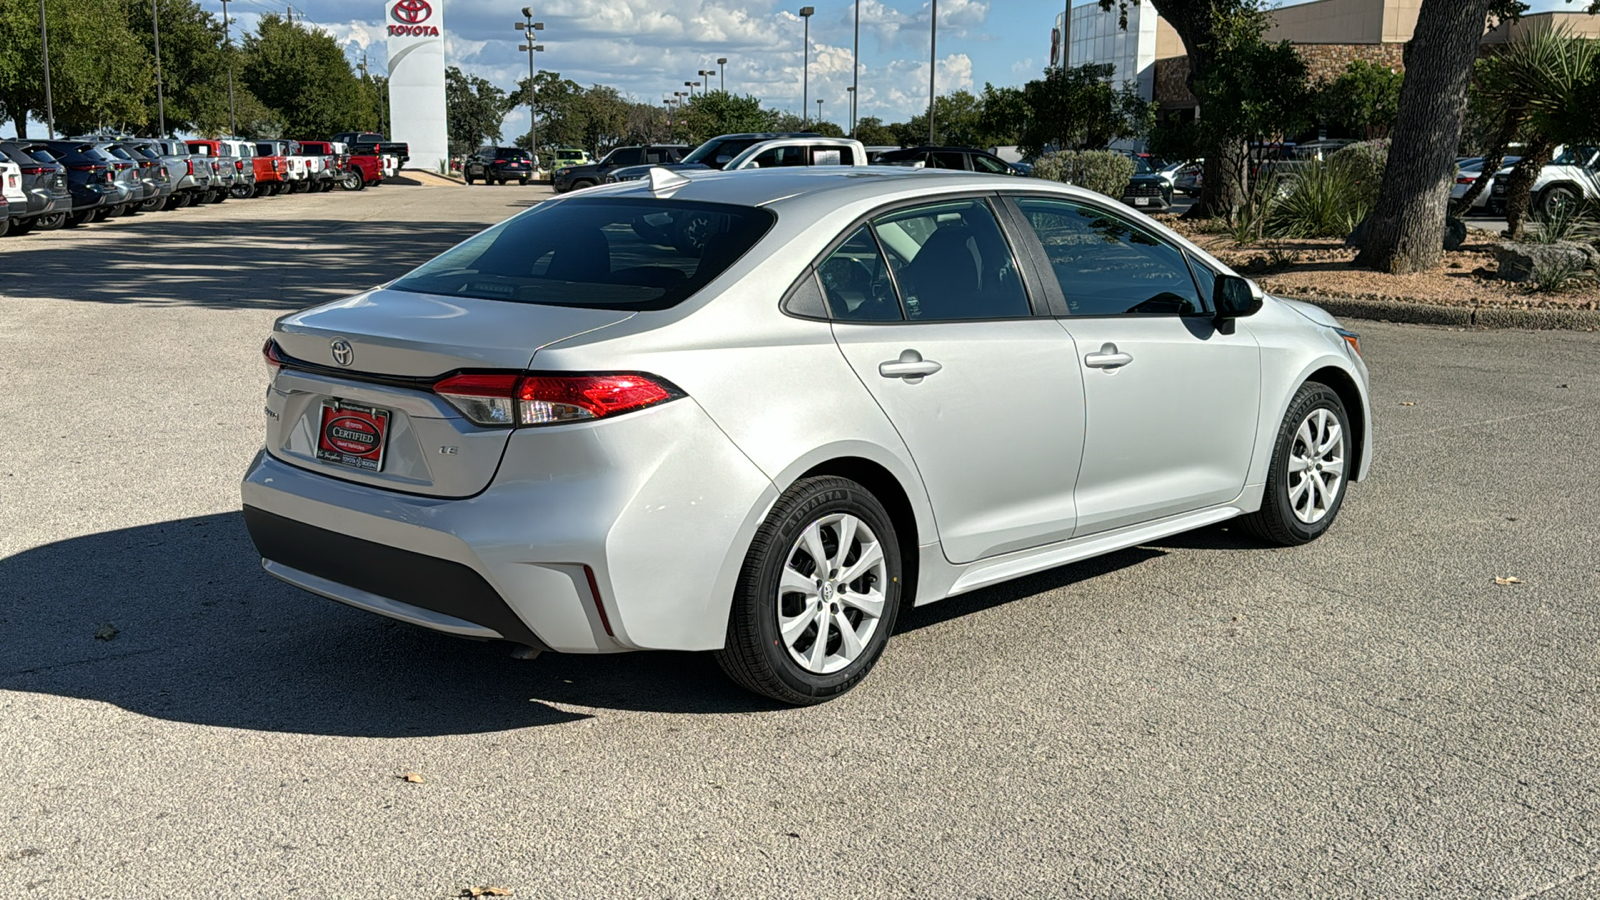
<point>758,413</point>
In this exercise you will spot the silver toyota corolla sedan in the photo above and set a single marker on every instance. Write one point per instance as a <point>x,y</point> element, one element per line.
<point>759,412</point>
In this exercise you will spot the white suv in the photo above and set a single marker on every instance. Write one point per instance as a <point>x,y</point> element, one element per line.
<point>1569,179</point>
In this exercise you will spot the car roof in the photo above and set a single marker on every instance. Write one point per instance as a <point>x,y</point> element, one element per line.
<point>927,148</point>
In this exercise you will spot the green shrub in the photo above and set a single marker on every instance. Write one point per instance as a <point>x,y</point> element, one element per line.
<point>1364,163</point>
<point>1104,171</point>
<point>1318,200</point>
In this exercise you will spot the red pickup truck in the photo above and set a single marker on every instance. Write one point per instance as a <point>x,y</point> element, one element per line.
<point>270,169</point>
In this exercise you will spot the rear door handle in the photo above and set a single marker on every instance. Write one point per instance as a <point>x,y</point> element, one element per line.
<point>1108,358</point>
<point>910,366</point>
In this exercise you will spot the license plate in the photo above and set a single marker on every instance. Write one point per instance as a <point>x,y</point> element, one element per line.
<point>352,435</point>
<point>1141,201</point>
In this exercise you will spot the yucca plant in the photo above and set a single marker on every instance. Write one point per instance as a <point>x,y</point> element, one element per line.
<point>1320,201</point>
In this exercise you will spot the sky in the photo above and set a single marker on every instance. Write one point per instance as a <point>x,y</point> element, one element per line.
<point>649,48</point>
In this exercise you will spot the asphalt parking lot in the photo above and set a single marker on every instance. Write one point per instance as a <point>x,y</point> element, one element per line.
<point>1368,716</point>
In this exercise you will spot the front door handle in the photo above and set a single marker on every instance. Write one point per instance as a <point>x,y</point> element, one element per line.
<point>1108,358</point>
<point>910,366</point>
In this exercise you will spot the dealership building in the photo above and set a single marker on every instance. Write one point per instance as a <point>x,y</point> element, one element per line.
<point>1328,33</point>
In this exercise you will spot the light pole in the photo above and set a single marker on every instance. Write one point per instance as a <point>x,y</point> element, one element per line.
<point>161,103</point>
<point>705,80</point>
<point>722,71</point>
<point>805,63</point>
<point>933,65</point>
<point>532,28</point>
<point>855,69</point>
<point>690,85</point>
<point>383,94</point>
<point>819,110</point>
<point>49,102</point>
<point>227,35</point>
<point>1066,35</point>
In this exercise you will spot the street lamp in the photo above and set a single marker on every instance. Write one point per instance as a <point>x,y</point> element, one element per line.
<point>532,28</point>
<point>722,72</point>
<point>690,86</point>
<point>806,12</point>
<point>855,68</point>
<point>705,80</point>
<point>49,102</point>
<point>227,35</point>
<point>933,65</point>
<point>819,110</point>
<point>851,90</point>
<point>161,102</point>
<point>384,118</point>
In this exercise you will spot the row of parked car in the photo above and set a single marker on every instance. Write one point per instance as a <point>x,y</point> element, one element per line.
<point>57,183</point>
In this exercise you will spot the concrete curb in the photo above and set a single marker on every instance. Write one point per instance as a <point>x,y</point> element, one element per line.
<point>1459,316</point>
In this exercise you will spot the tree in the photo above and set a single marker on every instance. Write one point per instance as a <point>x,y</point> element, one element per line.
<point>476,110</point>
<point>720,112</point>
<point>559,103</point>
<point>871,131</point>
<point>956,121</point>
<point>99,73</point>
<point>1258,93</point>
<point>1079,109</point>
<point>1365,99</point>
<point>302,75</point>
<point>194,63</point>
<point>1003,115</point>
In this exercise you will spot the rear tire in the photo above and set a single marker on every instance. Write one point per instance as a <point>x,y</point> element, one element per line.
<point>23,226</point>
<point>580,184</point>
<point>51,222</point>
<point>151,205</point>
<point>1558,200</point>
<point>792,605</point>
<point>1310,470</point>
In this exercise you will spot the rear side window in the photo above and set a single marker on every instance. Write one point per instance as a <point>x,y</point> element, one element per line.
<point>855,280</point>
<point>607,253</point>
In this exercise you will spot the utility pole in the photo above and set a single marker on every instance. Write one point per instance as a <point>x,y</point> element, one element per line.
<point>855,70</point>
<point>933,66</point>
<point>532,29</point>
<point>161,102</point>
<point>227,34</point>
<point>49,102</point>
<point>722,71</point>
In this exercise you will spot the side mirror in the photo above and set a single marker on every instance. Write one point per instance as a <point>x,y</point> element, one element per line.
<point>752,164</point>
<point>724,159</point>
<point>1236,297</point>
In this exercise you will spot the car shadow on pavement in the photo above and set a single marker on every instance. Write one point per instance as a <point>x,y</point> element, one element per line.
<point>176,620</point>
<point>253,264</point>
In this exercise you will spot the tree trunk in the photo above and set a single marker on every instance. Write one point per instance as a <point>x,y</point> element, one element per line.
<point>21,119</point>
<point>1519,184</point>
<point>1406,231</point>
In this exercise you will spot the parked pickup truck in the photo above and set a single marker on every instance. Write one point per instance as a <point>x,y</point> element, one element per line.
<point>375,144</point>
<point>1571,178</point>
<point>272,169</point>
<point>330,173</point>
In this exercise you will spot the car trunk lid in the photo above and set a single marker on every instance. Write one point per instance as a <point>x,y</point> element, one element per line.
<point>354,398</point>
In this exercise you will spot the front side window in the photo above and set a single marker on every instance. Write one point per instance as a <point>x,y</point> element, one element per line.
<point>605,253</point>
<point>1106,266</point>
<point>855,280</point>
<point>951,261</point>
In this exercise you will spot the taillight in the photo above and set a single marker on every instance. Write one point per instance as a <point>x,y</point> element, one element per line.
<point>1463,179</point>
<point>33,170</point>
<point>499,162</point>
<point>238,165</point>
<point>512,399</point>
<point>269,351</point>
<point>190,163</point>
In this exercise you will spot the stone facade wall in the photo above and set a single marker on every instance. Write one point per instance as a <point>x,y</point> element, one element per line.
<point>1326,62</point>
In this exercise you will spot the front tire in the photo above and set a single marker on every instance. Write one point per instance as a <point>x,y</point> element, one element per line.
<point>1310,470</point>
<point>818,594</point>
<point>1558,201</point>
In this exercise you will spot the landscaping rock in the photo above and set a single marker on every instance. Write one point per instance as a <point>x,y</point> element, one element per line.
<point>1519,261</point>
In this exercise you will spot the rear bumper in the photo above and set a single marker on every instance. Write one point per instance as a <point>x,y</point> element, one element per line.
<point>646,517</point>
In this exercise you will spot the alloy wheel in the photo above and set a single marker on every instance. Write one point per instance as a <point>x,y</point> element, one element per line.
<point>830,594</point>
<point>1316,466</point>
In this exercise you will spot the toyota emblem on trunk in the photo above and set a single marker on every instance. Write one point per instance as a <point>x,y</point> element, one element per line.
<point>343,353</point>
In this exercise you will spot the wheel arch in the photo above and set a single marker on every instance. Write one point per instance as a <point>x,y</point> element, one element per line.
<point>892,494</point>
<point>1344,384</point>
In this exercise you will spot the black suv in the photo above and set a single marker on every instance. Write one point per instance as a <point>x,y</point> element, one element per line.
<point>91,177</point>
<point>1146,189</point>
<point>570,178</point>
<point>965,159</point>
<point>499,164</point>
<point>44,181</point>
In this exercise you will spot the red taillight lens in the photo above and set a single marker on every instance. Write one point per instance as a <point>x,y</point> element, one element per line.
<point>238,165</point>
<point>1463,179</point>
<point>269,351</point>
<point>190,162</point>
<point>511,399</point>
<point>499,162</point>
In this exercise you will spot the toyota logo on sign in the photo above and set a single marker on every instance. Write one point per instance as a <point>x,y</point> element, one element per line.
<point>412,12</point>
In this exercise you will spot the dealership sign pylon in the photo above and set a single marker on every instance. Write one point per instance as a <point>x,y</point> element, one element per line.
<point>416,79</point>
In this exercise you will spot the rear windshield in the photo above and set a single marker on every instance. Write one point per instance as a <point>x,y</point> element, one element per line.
<point>606,253</point>
<point>517,152</point>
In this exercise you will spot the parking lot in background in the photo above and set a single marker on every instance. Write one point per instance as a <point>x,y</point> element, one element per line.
<point>1371,715</point>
